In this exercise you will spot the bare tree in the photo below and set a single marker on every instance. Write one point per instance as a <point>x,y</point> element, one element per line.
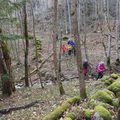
<point>69,14</point>
<point>56,67</point>
<point>26,46</point>
<point>117,27</point>
<point>36,48</point>
<point>78,53</point>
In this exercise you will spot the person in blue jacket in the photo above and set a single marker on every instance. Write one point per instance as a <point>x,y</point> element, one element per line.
<point>73,50</point>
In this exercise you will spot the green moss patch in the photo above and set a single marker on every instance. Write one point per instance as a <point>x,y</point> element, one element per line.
<point>114,76</point>
<point>88,113</point>
<point>105,96</point>
<point>67,118</point>
<point>57,113</point>
<point>109,81</point>
<point>71,115</point>
<point>104,113</point>
<point>73,100</point>
<point>115,87</point>
<point>92,103</point>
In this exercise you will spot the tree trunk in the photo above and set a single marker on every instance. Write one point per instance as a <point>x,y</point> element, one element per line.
<point>8,85</point>
<point>85,31</point>
<point>26,47</point>
<point>66,20</point>
<point>117,27</point>
<point>36,48</point>
<point>69,15</point>
<point>78,54</point>
<point>62,91</point>
<point>55,50</point>
<point>109,52</point>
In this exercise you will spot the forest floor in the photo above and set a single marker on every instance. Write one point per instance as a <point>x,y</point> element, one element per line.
<point>49,98</point>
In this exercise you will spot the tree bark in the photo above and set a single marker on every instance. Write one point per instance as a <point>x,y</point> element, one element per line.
<point>69,15</point>
<point>109,52</point>
<point>36,50</point>
<point>117,28</point>
<point>56,66</point>
<point>78,54</point>
<point>8,85</point>
<point>26,47</point>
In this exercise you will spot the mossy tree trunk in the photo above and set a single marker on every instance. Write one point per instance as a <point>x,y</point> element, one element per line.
<point>38,47</point>
<point>8,85</point>
<point>78,53</point>
<point>26,46</point>
<point>56,65</point>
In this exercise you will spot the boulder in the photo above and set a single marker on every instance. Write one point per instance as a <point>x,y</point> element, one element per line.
<point>105,96</point>
<point>88,114</point>
<point>115,87</point>
<point>104,113</point>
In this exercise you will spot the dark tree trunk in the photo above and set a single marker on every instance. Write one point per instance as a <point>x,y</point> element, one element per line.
<point>26,47</point>
<point>8,85</point>
<point>108,63</point>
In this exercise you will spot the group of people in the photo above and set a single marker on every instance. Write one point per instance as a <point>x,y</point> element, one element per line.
<point>69,48</point>
<point>100,69</point>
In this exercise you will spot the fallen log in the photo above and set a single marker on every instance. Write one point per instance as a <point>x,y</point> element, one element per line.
<point>8,110</point>
<point>39,67</point>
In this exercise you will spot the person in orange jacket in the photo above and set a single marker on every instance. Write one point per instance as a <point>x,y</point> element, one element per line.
<point>64,48</point>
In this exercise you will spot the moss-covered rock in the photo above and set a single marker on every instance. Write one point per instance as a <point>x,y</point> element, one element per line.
<point>57,113</point>
<point>114,76</point>
<point>92,103</point>
<point>71,115</point>
<point>105,96</point>
<point>118,79</point>
<point>73,100</point>
<point>104,113</point>
<point>67,118</point>
<point>88,113</point>
<point>115,87</point>
<point>109,81</point>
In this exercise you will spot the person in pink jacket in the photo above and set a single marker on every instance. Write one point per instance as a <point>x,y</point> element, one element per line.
<point>100,69</point>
